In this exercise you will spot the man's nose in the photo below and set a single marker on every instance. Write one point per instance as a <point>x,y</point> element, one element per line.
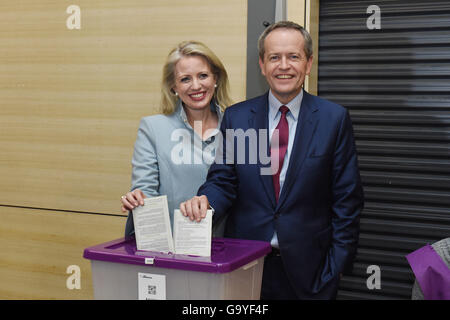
<point>284,63</point>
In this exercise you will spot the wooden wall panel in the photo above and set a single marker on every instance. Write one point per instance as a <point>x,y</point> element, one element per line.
<point>71,100</point>
<point>70,104</point>
<point>37,246</point>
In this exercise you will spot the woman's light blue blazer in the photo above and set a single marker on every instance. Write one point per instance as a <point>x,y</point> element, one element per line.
<point>171,159</point>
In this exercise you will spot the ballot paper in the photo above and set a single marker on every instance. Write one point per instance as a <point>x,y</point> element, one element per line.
<point>152,225</point>
<point>153,230</point>
<point>192,237</point>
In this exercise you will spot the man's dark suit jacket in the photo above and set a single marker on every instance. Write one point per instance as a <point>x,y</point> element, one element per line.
<point>317,216</point>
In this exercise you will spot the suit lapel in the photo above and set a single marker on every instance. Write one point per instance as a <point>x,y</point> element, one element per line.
<point>260,120</point>
<point>306,125</point>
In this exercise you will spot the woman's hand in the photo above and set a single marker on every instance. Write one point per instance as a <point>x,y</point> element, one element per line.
<point>132,200</point>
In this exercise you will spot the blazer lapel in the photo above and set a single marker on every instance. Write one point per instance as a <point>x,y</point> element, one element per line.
<point>260,120</point>
<point>306,126</point>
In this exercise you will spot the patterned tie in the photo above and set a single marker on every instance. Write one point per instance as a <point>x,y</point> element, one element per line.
<point>283,131</point>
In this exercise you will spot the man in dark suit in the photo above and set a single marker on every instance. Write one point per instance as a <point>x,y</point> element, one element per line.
<point>309,206</point>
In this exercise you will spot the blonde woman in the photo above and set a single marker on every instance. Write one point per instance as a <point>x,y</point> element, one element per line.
<point>173,150</point>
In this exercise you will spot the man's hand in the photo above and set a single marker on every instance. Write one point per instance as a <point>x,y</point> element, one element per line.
<point>195,208</point>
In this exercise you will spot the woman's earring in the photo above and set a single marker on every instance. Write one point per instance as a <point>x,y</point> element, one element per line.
<point>215,86</point>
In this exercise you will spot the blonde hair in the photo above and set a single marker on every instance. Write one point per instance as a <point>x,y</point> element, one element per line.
<point>193,48</point>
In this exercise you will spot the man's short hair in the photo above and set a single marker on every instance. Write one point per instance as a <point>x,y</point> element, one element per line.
<point>308,46</point>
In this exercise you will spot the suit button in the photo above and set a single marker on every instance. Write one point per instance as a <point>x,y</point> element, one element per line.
<point>277,214</point>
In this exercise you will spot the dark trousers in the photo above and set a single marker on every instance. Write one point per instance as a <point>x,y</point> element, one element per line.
<point>275,283</point>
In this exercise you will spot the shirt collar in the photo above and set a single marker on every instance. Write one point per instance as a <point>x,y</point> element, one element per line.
<point>293,105</point>
<point>214,108</point>
<point>182,114</point>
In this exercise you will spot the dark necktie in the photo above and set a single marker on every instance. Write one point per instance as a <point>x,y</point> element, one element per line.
<point>280,150</point>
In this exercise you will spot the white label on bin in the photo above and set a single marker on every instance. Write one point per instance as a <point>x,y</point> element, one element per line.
<point>151,286</point>
<point>149,260</point>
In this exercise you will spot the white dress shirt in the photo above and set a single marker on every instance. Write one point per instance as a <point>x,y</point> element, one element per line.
<point>274,119</point>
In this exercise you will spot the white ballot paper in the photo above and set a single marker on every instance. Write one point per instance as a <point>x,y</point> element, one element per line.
<point>192,237</point>
<point>152,225</point>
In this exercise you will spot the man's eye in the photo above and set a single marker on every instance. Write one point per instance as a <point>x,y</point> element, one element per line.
<point>273,58</point>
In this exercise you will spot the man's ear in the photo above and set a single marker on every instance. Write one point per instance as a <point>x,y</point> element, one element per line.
<point>309,64</point>
<point>261,66</point>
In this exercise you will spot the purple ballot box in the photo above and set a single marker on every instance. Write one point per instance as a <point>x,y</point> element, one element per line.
<point>234,271</point>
